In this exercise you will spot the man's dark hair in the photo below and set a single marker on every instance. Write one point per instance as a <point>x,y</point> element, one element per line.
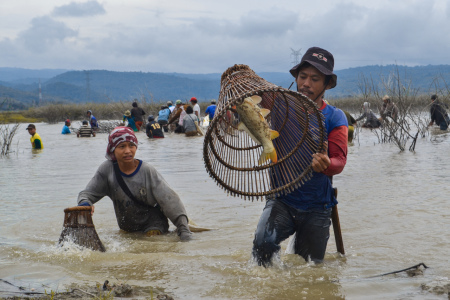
<point>85,122</point>
<point>189,110</point>
<point>135,104</point>
<point>434,97</point>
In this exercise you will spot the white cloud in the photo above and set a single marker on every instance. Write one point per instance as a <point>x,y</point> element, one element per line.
<point>200,37</point>
<point>44,33</point>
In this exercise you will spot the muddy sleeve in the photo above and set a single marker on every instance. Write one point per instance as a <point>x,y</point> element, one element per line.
<point>337,150</point>
<point>96,189</point>
<point>362,117</point>
<point>167,198</point>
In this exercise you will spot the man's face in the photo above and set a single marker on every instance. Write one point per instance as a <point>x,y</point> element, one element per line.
<point>310,82</point>
<point>31,131</point>
<point>88,114</point>
<point>125,152</point>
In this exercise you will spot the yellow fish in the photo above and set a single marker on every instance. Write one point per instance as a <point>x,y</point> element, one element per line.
<point>254,123</point>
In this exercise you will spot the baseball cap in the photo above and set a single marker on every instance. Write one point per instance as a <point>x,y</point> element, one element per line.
<point>30,126</point>
<point>169,102</point>
<point>213,101</point>
<point>386,97</point>
<point>193,99</point>
<point>178,102</point>
<point>433,97</point>
<point>319,58</point>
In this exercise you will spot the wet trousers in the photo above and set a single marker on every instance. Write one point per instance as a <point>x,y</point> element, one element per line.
<point>138,125</point>
<point>278,221</point>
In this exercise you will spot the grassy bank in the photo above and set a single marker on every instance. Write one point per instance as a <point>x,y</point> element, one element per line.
<point>17,117</point>
<point>53,113</point>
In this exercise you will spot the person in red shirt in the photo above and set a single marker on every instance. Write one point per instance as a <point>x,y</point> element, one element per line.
<point>307,210</point>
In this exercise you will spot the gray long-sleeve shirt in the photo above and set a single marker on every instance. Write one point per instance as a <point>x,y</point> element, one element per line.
<point>147,185</point>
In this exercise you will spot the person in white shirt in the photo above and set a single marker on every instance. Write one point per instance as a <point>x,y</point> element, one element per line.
<point>196,107</point>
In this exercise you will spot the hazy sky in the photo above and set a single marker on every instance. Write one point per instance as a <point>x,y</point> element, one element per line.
<point>206,36</point>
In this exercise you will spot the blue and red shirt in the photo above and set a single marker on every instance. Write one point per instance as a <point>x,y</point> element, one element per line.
<point>317,193</point>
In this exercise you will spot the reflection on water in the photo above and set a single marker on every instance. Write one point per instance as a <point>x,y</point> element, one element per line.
<point>393,208</point>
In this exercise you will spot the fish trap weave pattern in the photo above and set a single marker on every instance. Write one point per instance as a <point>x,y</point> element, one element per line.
<point>231,156</point>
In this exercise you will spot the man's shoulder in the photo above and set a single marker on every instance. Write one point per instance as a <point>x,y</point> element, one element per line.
<point>106,166</point>
<point>335,117</point>
<point>148,167</point>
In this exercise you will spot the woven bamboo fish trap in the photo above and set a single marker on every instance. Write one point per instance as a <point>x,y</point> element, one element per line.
<point>231,156</point>
<point>79,228</point>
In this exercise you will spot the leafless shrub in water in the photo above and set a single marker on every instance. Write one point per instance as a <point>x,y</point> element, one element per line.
<point>7,133</point>
<point>413,116</point>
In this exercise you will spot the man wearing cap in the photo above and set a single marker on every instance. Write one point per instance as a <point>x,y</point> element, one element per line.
<point>210,110</point>
<point>130,120</point>
<point>66,129</point>
<point>137,113</point>
<point>389,109</point>
<point>153,129</point>
<point>196,107</point>
<point>92,120</point>
<point>163,117</point>
<point>36,141</point>
<point>438,113</point>
<point>307,210</point>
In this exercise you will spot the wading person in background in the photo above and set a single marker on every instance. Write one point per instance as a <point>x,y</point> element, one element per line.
<point>351,125</point>
<point>170,106</point>
<point>177,117</point>
<point>307,210</point>
<point>371,120</point>
<point>130,121</point>
<point>439,113</point>
<point>66,129</point>
<point>142,199</point>
<point>36,141</point>
<point>388,109</point>
<point>85,130</point>
<point>92,120</point>
<point>211,110</point>
<point>196,107</point>
<point>163,118</point>
<point>189,121</point>
<point>153,129</point>
<point>137,113</point>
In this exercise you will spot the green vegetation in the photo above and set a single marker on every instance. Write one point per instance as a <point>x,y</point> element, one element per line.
<point>53,113</point>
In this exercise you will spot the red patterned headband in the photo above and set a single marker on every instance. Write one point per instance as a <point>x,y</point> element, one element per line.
<point>117,136</point>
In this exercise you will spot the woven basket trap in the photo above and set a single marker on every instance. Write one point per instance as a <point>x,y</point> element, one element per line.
<point>231,156</point>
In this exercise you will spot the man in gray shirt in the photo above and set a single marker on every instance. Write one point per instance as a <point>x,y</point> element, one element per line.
<point>152,200</point>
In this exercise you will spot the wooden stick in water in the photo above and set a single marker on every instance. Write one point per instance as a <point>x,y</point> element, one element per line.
<point>337,227</point>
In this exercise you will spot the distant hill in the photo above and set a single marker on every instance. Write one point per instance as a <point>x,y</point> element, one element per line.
<point>13,74</point>
<point>128,85</point>
<point>21,85</point>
